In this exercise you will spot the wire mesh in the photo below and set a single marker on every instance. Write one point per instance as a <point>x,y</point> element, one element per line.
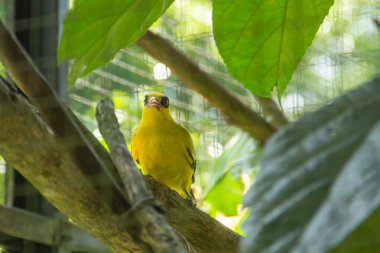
<point>344,54</point>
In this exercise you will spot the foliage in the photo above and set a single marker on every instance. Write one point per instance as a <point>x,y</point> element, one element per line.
<point>262,42</point>
<point>2,70</point>
<point>226,195</point>
<point>319,181</point>
<point>94,31</point>
<point>239,153</point>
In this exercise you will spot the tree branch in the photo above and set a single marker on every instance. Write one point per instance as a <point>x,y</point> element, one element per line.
<point>48,162</point>
<point>273,113</point>
<point>149,216</point>
<point>185,69</point>
<point>204,233</point>
<point>17,61</point>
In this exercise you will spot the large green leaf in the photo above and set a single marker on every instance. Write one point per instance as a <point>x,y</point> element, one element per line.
<point>262,42</point>
<point>94,31</point>
<point>318,187</point>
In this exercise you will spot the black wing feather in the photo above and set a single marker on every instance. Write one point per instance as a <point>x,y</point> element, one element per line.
<point>193,162</point>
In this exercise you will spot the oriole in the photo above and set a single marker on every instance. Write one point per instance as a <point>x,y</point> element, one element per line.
<point>163,148</point>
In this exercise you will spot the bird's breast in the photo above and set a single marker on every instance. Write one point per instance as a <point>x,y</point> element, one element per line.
<point>160,150</point>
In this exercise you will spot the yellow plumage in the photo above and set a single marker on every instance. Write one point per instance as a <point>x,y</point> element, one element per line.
<point>163,148</point>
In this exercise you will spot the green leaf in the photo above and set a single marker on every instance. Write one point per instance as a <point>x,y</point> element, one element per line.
<point>2,71</point>
<point>238,151</point>
<point>226,195</point>
<point>225,189</point>
<point>94,31</point>
<point>318,187</point>
<point>262,42</point>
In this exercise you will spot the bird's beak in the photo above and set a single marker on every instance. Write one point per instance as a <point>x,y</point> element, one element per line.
<point>154,102</point>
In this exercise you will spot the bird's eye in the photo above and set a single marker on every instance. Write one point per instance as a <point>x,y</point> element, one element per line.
<point>165,102</point>
<point>146,99</point>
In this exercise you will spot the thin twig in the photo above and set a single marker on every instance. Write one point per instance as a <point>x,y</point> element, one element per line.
<point>270,109</point>
<point>185,69</point>
<point>376,21</point>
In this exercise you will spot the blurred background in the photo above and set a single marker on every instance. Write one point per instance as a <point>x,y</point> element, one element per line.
<point>344,54</point>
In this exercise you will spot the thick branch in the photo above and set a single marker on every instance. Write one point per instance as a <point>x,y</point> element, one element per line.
<point>27,143</point>
<point>215,237</point>
<point>18,62</point>
<point>185,69</point>
<point>153,225</point>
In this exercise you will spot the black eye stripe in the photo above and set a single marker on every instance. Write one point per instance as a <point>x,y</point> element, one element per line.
<point>146,99</point>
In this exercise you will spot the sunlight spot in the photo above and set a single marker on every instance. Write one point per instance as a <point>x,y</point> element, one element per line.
<point>348,43</point>
<point>97,134</point>
<point>324,67</point>
<point>214,150</point>
<point>202,14</point>
<point>292,101</point>
<point>325,27</point>
<point>161,72</point>
<point>120,115</point>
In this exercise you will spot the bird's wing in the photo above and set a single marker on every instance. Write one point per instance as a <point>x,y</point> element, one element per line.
<point>193,162</point>
<point>134,147</point>
<point>190,151</point>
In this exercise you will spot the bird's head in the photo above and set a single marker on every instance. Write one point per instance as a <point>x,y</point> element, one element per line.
<point>156,100</point>
<point>156,108</point>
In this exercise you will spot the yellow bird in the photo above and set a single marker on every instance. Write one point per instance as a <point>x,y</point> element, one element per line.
<point>163,148</point>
